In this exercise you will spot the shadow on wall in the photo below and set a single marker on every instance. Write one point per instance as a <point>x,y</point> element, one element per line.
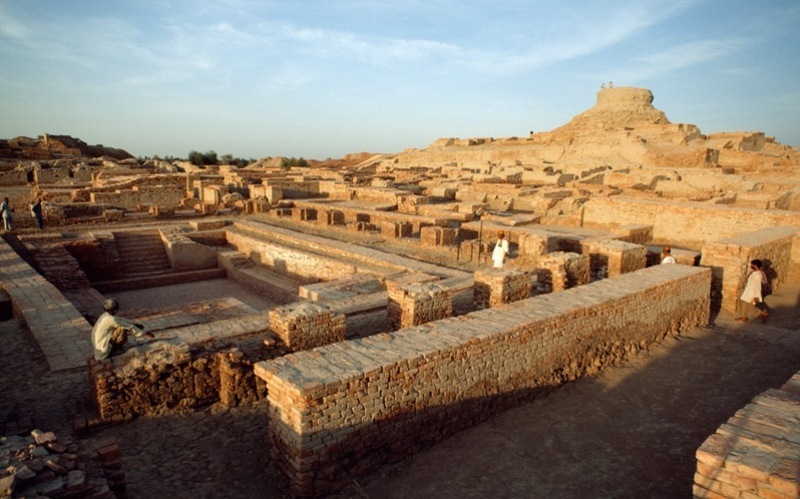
<point>635,432</point>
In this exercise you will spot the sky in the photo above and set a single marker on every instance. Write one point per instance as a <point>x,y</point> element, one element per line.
<point>321,79</point>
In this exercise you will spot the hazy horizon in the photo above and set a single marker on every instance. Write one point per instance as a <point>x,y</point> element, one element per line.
<point>315,80</point>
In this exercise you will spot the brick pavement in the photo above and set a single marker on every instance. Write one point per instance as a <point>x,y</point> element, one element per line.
<point>62,332</point>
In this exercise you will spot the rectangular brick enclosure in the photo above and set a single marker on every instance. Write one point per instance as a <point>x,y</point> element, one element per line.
<point>342,410</point>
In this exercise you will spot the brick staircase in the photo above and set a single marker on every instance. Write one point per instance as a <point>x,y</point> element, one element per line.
<point>142,253</point>
<point>145,264</point>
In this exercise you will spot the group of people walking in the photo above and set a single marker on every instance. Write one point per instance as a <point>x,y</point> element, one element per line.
<point>8,218</point>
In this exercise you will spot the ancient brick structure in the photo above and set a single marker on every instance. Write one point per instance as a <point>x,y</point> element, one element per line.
<point>755,453</point>
<point>730,259</point>
<point>304,325</point>
<point>609,257</point>
<point>438,236</point>
<point>395,230</point>
<point>418,303</point>
<point>342,410</point>
<point>558,271</point>
<point>493,287</point>
<point>688,224</point>
<point>169,376</point>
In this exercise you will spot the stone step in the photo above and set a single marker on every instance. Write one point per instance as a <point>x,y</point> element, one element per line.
<point>142,253</point>
<point>160,279</point>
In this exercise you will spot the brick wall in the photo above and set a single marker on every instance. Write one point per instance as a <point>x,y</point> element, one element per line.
<point>609,258</point>
<point>730,259</point>
<point>342,410</point>
<point>493,287</point>
<point>167,195</point>
<point>305,325</point>
<point>755,454</point>
<point>558,271</point>
<point>292,260</point>
<point>684,224</point>
<point>438,236</point>
<point>395,230</point>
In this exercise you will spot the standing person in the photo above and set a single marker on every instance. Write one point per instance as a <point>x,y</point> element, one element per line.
<point>36,212</point>
<point>667,258</point>
<point>5,210</point>
<point>111,332</point>
<point>752,297</point>
<point>500,251</point>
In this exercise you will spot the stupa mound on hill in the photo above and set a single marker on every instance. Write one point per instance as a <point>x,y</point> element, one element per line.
<point>617,108</point>
<point>622,130</point>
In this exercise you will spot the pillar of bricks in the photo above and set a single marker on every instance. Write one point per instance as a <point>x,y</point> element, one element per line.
<point>307,214</point>
<point>414,304</point>
<point>494,287</point>
<point>334,217</point>
<point>395,230</point>
<point>559,271</point>
<point>307,325</point>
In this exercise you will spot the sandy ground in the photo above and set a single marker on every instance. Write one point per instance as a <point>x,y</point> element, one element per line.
<point>630,432</point>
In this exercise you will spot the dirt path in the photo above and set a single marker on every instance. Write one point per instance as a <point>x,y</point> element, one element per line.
<point>631,432</point>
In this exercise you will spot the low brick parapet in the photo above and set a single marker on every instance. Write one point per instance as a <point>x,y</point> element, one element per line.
<point>61,331</point>
<point>756,453</point>
<point>344,409</point>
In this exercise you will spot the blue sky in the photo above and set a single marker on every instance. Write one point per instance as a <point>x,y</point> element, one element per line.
<point>319,79</point>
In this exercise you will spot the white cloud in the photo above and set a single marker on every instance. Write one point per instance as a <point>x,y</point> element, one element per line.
<point>676,58</point>
<point>11,27</point>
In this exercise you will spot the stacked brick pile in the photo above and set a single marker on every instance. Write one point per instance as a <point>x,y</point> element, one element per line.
<point>415,304</point>
<point>558,271</point>
<point>494,287</point>
<point>756,453</point>
<point>307,325</point>
<point>344,409</point>
<point>730,258</point>
<point>237,384</point>
<point>165,377</point>
<point>44,464</point>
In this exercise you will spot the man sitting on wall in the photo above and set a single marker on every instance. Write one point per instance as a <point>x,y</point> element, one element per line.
<point>111,332</point>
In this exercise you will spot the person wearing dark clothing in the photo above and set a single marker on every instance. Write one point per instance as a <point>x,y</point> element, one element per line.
<point>36,212</point>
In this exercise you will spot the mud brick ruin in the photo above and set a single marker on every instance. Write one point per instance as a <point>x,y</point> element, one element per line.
<point>386,330</point>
